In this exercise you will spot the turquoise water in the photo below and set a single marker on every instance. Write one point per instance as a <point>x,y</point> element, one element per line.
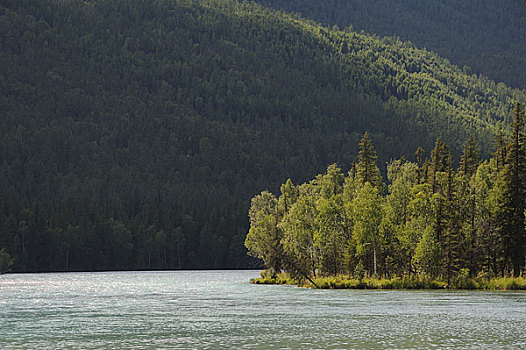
<point>220,309</point>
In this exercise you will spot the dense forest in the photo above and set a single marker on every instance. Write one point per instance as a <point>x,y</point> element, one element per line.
<point>134,133</point>
<point>430,220</point>
<point>481,36</point>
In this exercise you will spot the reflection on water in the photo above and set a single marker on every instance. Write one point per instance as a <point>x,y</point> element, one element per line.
<point>220,309</point>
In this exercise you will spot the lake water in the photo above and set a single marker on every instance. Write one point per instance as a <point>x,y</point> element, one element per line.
<point>220,309</point>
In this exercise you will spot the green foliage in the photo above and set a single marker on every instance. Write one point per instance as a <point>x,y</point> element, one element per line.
<point>273,278</point>
<point>481,36</point>
<point>470,158</point>
<point>344,282</point>
<point>264,238</point>
<point>359,271</point>
<point>298,226</point>
<point>367,214</point>
<point>341,231</point>
<point>509,197</point>
<point>504,283</point>
<point>332,234</point>
<point>366,169</point>
<point>427,256</point>
<point>463,281</point>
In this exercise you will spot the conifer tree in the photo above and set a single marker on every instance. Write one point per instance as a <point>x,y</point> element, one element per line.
<point>451,237</point>
<point>366,168</point>
<point>469,160</point>
<point>467,201</point>
<point>441,186</point>
<point>487,247</point>
<point>420,162</point>
<point>440,163</point>
<point>514,195</point>
<point>500,148</point>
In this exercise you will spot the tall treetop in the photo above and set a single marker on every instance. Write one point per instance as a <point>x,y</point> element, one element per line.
<point>366,168</point>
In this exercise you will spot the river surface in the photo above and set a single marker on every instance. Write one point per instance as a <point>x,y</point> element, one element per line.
<point>221,310</point>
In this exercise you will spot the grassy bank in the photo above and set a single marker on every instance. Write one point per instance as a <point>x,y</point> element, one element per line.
<point>413,282</point>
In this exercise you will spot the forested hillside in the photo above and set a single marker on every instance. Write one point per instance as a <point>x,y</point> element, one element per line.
<point>134,133</point>
<point>486,36</point>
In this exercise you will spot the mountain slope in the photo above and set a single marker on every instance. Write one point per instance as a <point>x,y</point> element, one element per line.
<point>134,134</point>
<point>486,36</point>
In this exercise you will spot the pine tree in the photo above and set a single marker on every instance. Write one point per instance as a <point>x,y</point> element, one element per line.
<point>440,173</point>
<point>366,168</point>
<point>514,202</point>
<point>451,240</point>
<point>469,160</point>
<point>500,148</point>
<point>420,162</point>
<point>440,163</point>
<point>487,249</point>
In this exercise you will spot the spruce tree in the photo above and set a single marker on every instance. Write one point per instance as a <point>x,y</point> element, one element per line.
<point>451,241</point>
<point>366,168</point>
<point>420,161</point>
<point>500,148</point>
<point>512,228</point>
<point>440,163</point>
<point>469,160</point>
<point>467,204</point>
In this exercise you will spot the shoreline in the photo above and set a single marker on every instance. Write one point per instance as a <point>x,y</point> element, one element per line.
<point>398,283</point>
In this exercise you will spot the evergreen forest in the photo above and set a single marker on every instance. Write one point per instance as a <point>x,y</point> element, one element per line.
<point>134,133</point>
<point>431,219</point>
<point>481,36</point>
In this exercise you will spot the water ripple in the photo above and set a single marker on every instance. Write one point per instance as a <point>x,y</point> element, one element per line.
<point>220,309</point>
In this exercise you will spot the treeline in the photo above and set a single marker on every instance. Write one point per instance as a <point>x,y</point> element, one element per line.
<point>431,220</point>
<point>134,133</point>
<point>482,36</point>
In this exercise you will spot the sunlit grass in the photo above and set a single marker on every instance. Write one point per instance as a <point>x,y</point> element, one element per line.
<point>505,283</point>
<point>405,282</point>
<point>266,278</point>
